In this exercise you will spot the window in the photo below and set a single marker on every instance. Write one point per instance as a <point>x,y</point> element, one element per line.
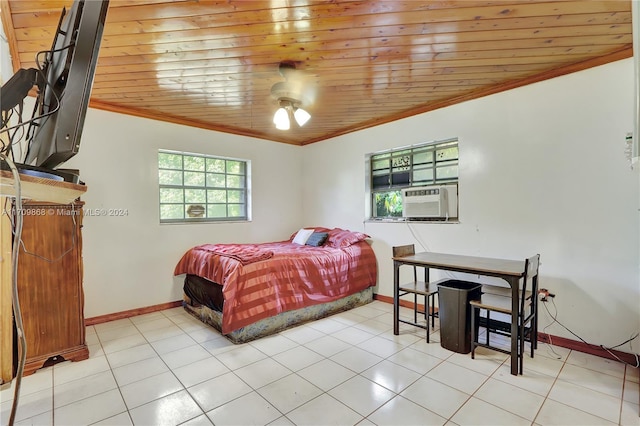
<point>418,165</point>
<point>202,188</point>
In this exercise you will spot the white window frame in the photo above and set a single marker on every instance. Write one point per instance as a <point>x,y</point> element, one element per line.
<point>370,191</point>
<point>206,187</point>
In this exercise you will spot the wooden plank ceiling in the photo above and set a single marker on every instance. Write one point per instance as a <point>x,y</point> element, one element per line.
<point>212,64</point>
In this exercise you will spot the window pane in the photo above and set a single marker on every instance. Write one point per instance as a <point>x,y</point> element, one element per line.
<point>216,180</point>
<point>169,161</point>
<point>195,196</point>
<point>170,177</point>
<point>235,167</point>
<point>194,179</point>
<point>171,211</point>
<point>236,210</point>
<point>217,196</point>
<point>194,163</point>
<point>449,153</point>
<point>381,181</point>
<point>380,164</point>
<point>215,165</point>
<point>171,195</point>
<point>422,175</point>
<point>387,204</point>
<point>401,163</point>
<point>449,172</point>
<point>400,179</point>
<point>423,157</point>
<point>235,181</point>
<point>236,196</point>
<point>217,210</point>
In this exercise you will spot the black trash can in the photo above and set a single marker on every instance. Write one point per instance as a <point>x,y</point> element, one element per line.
<point>454,313</point>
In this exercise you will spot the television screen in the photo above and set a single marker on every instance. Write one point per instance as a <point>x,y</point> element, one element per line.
<point>63,99</point>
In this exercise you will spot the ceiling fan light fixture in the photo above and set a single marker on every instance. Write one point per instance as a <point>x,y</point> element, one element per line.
<point>281,119</point>
<point>301,116</point>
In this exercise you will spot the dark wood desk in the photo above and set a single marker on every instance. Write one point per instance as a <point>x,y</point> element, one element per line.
<point>509,270</point>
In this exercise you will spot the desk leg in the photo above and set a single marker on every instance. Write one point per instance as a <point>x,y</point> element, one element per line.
<point>396,297</point>
<point>515,329</point>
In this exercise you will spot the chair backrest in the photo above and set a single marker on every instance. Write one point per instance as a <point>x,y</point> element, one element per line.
<point>406,250</point>
<point>531,266</point>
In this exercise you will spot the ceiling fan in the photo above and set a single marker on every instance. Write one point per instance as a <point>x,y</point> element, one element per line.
<point>291,95</point>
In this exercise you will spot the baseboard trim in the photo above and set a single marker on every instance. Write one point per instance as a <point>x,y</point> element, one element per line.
<point>548,338</point>
<point>588,348</point>
<point>131,313</point>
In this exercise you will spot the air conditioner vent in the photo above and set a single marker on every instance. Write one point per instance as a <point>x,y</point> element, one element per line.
<point>435,201</point>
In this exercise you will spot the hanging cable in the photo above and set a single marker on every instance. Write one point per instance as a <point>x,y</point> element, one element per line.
<point>17,235</point>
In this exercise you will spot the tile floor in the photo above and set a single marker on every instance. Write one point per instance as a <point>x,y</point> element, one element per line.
<point>168,368</point>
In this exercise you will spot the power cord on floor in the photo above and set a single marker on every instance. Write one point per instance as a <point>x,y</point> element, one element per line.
<point>607,349</point>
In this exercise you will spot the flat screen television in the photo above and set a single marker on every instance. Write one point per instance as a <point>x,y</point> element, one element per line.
<point>64,87</point>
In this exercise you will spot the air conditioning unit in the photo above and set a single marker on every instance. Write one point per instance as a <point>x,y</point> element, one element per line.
<point>433,201</point>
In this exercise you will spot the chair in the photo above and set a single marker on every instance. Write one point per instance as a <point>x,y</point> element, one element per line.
<point>415,287</point>
<point>498,299</point>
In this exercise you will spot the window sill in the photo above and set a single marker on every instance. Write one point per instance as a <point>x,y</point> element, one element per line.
<point>405,220</point>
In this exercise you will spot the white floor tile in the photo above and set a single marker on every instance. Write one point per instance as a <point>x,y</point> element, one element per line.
<point>76,390</point>
<point>401,411</point>
<point>139,370</point>
<point>356,359</point>
<point>218,391</point>
<point>91,410</point>
<point>289,392</point>
<point>169,368</point>
<point>170,410</point>
<point>457,377</point>
<point>131,355</point>
<point>73,370</point>
<point>236,412</point>
<point>588,378</point>
<point>510,398</point>
<point>272,345</point>
<point>361,395</point>
<point>149,389</point>
<point>554,413</point>
<point>323,411</point>
<point>326,374</point>
<point>298,358</point>
<point>200,371</point>
<point>476,412</point>
<point>240,356</point>
<point>392,376</point>
<point>262,372</point>
<point>590,401</point>
<point>435,396</point>
<point>185,356</point>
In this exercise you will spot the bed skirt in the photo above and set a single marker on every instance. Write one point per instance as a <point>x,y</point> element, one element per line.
<point>280,322</point>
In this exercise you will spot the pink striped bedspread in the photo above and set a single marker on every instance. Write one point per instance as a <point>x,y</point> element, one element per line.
<point>295,276</point>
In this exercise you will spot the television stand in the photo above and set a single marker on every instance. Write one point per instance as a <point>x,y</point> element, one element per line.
<point>61,175</point>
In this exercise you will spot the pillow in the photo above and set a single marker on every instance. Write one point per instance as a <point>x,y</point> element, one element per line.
<point>340,238</point>
<point>314,228</point>
<point>317,239</point>
<point>302,236</point>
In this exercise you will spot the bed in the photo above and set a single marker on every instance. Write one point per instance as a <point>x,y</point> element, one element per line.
<point>247,291</point>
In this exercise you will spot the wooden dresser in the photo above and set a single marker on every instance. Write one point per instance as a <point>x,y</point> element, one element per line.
<point>53,308</point>
<point>50,283</point>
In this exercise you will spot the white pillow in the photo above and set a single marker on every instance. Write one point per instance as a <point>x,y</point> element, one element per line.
<point>302,236</point>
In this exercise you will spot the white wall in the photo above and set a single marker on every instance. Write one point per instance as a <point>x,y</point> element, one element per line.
<point>542,170</point>
<point>129,260</point>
